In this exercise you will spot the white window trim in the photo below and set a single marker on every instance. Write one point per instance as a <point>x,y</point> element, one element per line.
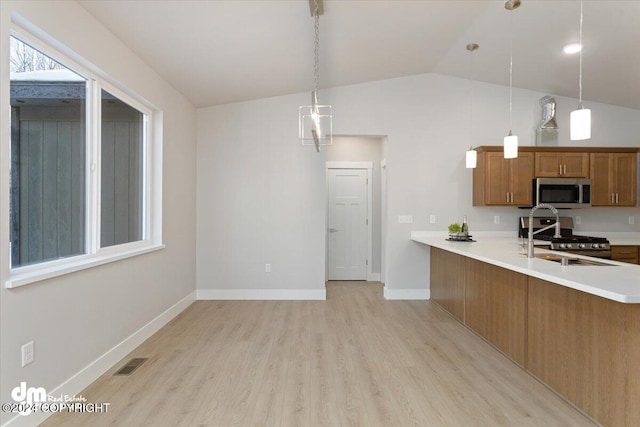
<point>152,179</point>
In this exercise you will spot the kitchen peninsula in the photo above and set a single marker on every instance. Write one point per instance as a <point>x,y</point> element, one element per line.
<point>576,328</point>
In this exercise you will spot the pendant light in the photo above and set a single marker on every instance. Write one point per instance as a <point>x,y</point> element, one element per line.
<point>471,157</point>
<point>511,140</point>
<point>315,119</point>
<point>580,119</point>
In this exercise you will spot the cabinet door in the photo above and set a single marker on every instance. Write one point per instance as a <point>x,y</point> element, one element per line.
<point>624,179</point>
<point>553,165</point>
<point>575,165</point>
<point>447,281</point>
<point>521,177</point>
<point>625,254</point>
<point>496,179</point>
<point>601,171</point>
<point>495,307</point>
<point>548,165</point>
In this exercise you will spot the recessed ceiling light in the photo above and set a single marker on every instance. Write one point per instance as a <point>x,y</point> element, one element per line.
<point>572,48</point>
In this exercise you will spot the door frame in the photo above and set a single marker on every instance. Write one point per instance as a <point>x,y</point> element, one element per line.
<point>353,165</point>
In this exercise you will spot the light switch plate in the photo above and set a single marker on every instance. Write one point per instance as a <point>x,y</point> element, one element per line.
<point>577,220</point>
<point>496,219</point>
<point>432,219</point>
<point>632,219</point>
<point>405,219</point>
<point>27,353</point>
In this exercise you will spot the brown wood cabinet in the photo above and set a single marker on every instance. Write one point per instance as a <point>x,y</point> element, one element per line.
<point>582,346</point>
<point>586,348</point>
<point>495,307</point>
<point>500,181</point>
<point>613,179</point>
<point>628,254</point>
<point>490,300</point>
<point>561,165</point>
<point>447,281</point>
<point>507,182</point>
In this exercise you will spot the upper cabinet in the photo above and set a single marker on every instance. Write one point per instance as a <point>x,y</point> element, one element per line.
<point>508,182</point>
<point>499,181</point>
<point>613,179</point>
<point>561,165</point>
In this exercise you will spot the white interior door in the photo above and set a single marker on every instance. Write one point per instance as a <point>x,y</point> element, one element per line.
<point>347,224</point>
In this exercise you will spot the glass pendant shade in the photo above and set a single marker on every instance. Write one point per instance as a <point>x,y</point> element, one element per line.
<point>580,124</point>
<point>510,146</point>
<point>471,159</point>
<point>315,124</point>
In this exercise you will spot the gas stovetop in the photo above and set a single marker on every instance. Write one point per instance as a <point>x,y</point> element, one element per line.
<point>569,242</point>
<point>575,242</point>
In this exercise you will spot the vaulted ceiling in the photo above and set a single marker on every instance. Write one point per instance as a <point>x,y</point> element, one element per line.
<point>217,52</point>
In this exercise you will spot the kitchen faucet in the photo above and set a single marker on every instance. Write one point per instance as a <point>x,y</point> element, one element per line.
<point>531,232</point>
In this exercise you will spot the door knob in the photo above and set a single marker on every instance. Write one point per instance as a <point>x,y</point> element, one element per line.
<point>333,230</point>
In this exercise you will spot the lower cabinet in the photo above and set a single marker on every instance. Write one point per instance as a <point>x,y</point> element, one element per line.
<point>628,254</point>
<point>488,299</point>
<point>495,307</point>
<point>586,348</point>
<point>447,281</point>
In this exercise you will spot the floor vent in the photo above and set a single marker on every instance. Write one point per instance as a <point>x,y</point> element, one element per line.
<point>131,366</point>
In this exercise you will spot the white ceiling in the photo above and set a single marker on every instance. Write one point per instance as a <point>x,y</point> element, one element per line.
<point>217,52</point>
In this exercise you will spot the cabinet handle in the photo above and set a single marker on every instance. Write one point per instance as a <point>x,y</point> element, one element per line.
<point>507,197</point>
<point>612,198</point>
<point>560,173</point>
<point>617,198</point>
<point>511,197</point>
<point>564,168</point>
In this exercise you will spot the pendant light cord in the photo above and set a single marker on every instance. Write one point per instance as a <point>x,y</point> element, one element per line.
<point>316,49</point>
<point>472,95</point>
<point>581,48</point>
<point>511,71</point>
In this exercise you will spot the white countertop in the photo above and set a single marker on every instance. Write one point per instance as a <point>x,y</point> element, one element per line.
<point>618,281</point>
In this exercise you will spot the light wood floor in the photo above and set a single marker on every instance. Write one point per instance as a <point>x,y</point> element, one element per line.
<point>355,359</point>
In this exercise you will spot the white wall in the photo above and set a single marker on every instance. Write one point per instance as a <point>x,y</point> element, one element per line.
<point>260,199</point>
<point>76,318</point>
<point>426,120</point>
<point>364,149</point>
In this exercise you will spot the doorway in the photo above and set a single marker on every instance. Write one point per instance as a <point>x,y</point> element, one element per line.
<point>348,220</point>
<point>348,160</point>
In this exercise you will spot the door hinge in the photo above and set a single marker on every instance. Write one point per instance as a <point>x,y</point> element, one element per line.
<point>367,221</point>
<point>367,180</point>
<point>367,262</point>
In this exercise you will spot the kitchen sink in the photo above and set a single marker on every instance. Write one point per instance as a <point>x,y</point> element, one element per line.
<point>571,260</point>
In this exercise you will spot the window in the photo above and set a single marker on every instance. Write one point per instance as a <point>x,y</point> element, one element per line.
<point>48,139</point>
<point>80,175</point>
<point>122,165</point>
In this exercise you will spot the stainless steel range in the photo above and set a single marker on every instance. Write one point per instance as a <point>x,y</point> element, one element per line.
<point>598,247</point>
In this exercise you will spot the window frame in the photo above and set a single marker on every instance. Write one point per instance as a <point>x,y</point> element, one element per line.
<point>151,177</point>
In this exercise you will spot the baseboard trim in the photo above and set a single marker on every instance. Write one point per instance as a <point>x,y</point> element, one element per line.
<point>406,294</point>
<point>87,375</point>
<point>261,294</point>
<point>373,277</point>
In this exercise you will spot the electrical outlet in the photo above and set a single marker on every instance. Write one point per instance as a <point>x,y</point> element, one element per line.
<point>496,219</point>
<point>405,219</point>
<point>432,219</point>
<point>267,268</point>
<point>577,220</point>
<point>27,353</point>
<point>632,219</point>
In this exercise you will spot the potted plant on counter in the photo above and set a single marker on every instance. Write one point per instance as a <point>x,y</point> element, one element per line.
<point>456,232</point>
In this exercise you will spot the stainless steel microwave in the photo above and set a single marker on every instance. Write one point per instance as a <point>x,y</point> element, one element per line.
<point>562,192</point>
